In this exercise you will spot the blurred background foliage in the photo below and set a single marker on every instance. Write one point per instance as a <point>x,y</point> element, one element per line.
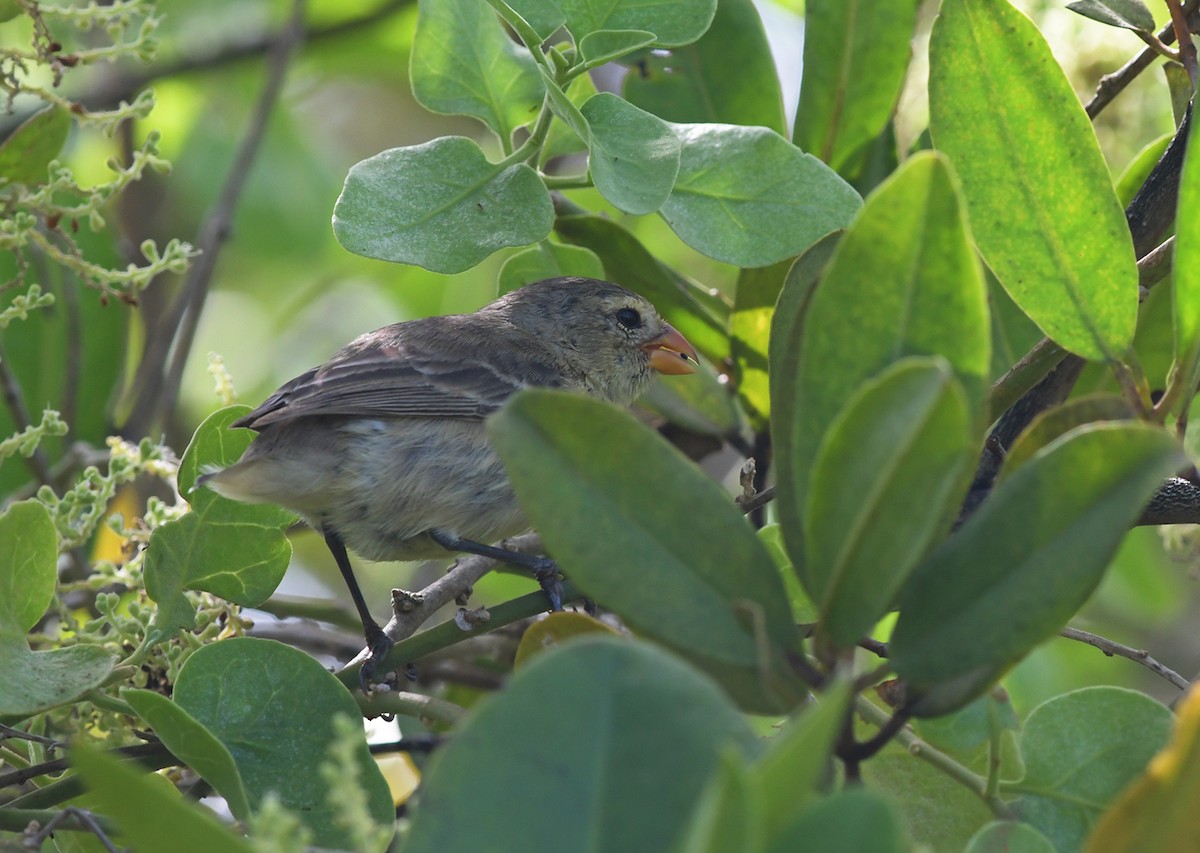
<point>285,294</point>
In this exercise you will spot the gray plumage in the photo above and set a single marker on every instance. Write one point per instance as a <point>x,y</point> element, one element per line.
<point>386,440</point>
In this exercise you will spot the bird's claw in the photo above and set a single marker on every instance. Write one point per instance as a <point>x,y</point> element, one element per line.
<point>378,645</point>
<point>550,581</point>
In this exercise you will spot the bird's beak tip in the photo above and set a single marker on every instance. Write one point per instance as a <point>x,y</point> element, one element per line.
<point>671,353</point>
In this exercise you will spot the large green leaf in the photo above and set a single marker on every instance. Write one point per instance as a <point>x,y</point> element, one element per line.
<point>1081,750</point>
<point>728,814</point>
<point>1025,562</point>
<point>790,772</point>
<point>153,817</point>
<point>903,281</point>
<point>440,205</point>
<point>747,196</point>
<point>750,332</point>
<point>548,260</point>
<point>633,155</point>
<point>674,22</point>
<point>28,553</point>
<point>28,150</point>
<point>616,505</point>
<point>1009,836</point>
<point>33,681</point>
<point>192,744</point>
<point>601,744</point>
<point>464,63</point>
<point>273,707</point>
<point>841,108</point>
<point>855,819</point>
<point>1038,191</point>
<point>907,432</point>
<point>234,550</point>
<point>698,83</point>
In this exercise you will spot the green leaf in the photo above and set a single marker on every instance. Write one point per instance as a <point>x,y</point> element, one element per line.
<point>543,16</point>
<point>440,205</point>
<point>192,744</point>
<point>28,150</point>
<point>1052,423</point>
<point>562,139</point>
<point>28,565</point>
<point>1158,810</point>
<point>1139,168</point>
<point>841,107</point>
<point>941,813</point>
<point>700,402</point>
<point>803,609</point>
<point>565,108</point>
<point>34,681</point>
<point>606,45</point>
<point>907,432</point>
<point>1127,14</point>
<point>1024,562</point>
<point>698,83</point>
<point>1187,278</point>
<point>237,551</point>
<point>655,730</point>
<point>273,708</point>
<point>728,815</point>
<point>903,281</point>
<point>620,530</point>
<point>464,63</point>
<point>1009,836</point>
<point>853,819</point>
<point>153,817</point>
<point>790,772</point>
<point>633,156</point>
<point>747,196</point>
<point>1038,191</point>
<point>674,22</point>
<point>548,260</point>
<point>627,262</point>
<point>749,327</point>
<point>1081,750</point>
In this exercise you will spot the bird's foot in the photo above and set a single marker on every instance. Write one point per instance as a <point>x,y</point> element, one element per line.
<point>378,645</point>
<point>550,580</point>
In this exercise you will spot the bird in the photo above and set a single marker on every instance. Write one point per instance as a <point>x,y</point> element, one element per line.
<point>382,449</point>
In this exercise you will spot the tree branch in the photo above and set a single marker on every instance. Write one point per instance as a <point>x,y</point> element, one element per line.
<point>158,394</point>
<point>1113,84</point>
<point>1140,656</point>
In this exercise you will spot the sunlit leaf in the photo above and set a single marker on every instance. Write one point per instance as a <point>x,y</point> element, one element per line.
<point>1038,191</point>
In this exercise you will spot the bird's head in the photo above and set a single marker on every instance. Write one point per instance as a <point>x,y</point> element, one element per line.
<point>612,336</point>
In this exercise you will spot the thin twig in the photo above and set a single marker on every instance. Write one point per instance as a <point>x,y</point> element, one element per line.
<point>758,500</point>
<point>183,318</point>
<point>1187,50</point>
<point>1140,656</point>
<point>462,576</point>
<point>82,818</point>
<point>380,703</point>
<point>1113,84</point>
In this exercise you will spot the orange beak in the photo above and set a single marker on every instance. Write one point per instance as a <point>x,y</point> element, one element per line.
<point>671,353</point>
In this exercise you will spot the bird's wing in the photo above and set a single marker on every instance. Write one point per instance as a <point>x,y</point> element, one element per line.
<point>437,368</point>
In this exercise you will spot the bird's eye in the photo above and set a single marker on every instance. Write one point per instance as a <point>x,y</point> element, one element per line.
<point>629,318</point>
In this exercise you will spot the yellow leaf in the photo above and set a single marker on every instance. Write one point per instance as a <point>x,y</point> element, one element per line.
<point>555,629</point>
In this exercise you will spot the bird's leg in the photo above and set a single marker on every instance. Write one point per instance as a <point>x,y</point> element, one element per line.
<point>378,643</point>
<point>544,569</point>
